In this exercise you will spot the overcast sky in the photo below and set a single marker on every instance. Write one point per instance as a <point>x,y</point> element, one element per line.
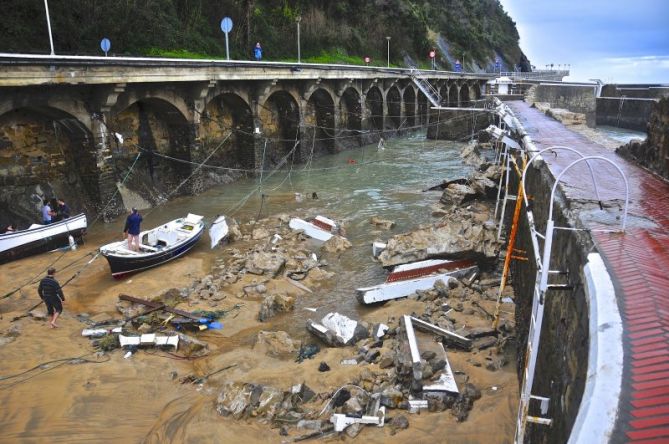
<point>621,41</point>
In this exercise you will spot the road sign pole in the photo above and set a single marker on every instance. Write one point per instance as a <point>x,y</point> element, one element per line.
<point>48,24</point>
<point>227,48</point>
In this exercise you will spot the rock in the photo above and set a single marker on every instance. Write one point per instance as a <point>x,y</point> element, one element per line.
<point>274,304</point>
<point>234,399</point>
<point>340,398</point>
<point>283,431</point>
<point>191,346</point>
<point>318,274</point>
<point>372,356</point>
<point>260,233</point>
<point>387,360</point>
<point>496,363</point>
<point>427,371</point>
<point>455,236</point>
<point>428,354</point>
<point>382,223</point>
<point>261,262</point>
<point>304,393</point>
<point>309,424</point>
<point>352,406</point>
<point>336,244</point>
<point>268,403</point>
<point>323,367</point>
<point>277,344</point>
<point>399,422</point>
<point>144,328</point>
<point>391,397</point>
<point>457,194</point>
<point>353,430</point>
<point>38,315</point>
<point>437,364</point>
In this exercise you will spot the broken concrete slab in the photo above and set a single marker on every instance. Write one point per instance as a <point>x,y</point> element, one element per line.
<point>337,330</point>
<point>449,336</point>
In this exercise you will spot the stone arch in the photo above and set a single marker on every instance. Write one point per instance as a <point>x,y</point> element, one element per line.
<point>465,100</point>
<point>350,112</point>
<point>319,120</point>
<point>409,99</point>
<point>280,117</point>
<point>45,152</point>
<point>453,95</point>
<point>162,134</point>
<point>228,117</point>
<point>394,100</point>
<point>374,105</point>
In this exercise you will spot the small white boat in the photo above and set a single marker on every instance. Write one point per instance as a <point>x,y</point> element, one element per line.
<point>157,246</point>
<point>218,231</point>
<point>41,238</point>
<point>320,228</point>
<point>407,278</point>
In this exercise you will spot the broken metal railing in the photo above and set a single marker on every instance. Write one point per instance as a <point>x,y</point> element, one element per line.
<point>426,87</point>
<point>539,298</point>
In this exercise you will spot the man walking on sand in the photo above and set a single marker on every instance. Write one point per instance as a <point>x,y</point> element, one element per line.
<point>132,230</point>
<point>52,295</point>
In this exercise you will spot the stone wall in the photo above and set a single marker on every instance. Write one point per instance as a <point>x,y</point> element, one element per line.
<point>563,351</point>
<point>575,98</point>
<point>624,112</point>
<point>653,153</point>
<point>457,125</point>
<point>637,91</point>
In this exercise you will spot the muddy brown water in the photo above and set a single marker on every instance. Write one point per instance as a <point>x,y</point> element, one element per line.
<point>112,399</point>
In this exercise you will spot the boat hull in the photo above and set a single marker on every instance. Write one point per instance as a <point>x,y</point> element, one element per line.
<point>45,238</point>
<point>124,265</point>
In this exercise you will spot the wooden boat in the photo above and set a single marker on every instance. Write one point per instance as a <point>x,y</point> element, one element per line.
<point>41,238</point>
<point>157,246</point>
<point>320,228</point>
<point>407,278</point>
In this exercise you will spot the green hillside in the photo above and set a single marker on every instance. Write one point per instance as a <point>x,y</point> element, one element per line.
<point>345,31</point>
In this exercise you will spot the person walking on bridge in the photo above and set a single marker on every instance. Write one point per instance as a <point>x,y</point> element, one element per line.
<point>257,52</point>
<point>51,293</point>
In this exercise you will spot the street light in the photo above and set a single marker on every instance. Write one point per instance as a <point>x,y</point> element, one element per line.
<point>388,39</point>
<point>298,19</point>
<point>48,23</point>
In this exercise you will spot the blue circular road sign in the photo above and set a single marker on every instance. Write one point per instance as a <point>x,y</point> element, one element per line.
<point>105,44</point>
<point>226,24</point>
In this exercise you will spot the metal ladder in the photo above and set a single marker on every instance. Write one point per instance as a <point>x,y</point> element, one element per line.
<point>542,286</point>
<point>425,86</point>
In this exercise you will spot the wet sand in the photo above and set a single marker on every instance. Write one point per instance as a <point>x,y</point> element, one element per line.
<point>140,399</point>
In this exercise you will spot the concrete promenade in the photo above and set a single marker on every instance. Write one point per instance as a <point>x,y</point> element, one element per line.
<point>638,262</point>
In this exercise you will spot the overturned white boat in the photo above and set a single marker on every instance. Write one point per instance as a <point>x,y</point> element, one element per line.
<point>407,278</point>
<point>320,228</point>
<point>218,231</point>
<point>41,238</point>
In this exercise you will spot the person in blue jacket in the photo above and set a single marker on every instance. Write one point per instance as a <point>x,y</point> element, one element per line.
<point>257,52</point>
<point>132,229</point>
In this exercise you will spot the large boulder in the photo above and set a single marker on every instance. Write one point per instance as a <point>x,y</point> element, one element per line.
<point>261,262</point>
<point>458,236</point>
<point>277,344</point>
<point>274,304</point>
<point>336,244</point>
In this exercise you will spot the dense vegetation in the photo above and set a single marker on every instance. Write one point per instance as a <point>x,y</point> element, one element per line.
<point>331,30</point>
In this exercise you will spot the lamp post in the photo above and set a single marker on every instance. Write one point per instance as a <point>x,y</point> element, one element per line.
<point>298,19</point>
<point>388,39</point>
<point>48,24</point>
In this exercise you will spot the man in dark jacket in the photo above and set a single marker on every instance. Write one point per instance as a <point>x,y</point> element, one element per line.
<point>132,229</point>
<point>52,295</point>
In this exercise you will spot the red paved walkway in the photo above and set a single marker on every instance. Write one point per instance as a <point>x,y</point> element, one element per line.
<point>638,262</point>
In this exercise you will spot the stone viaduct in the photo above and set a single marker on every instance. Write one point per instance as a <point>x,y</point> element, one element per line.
<point>73,126</point>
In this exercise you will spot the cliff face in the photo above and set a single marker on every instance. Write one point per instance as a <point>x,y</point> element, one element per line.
<point>476,32</point>
<point>653,153</point>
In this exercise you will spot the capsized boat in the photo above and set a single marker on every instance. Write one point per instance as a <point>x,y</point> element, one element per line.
<point>157,246</point>
<point>320,228</point>
<point>41,238</point>
<point>218,231</point>
<point>407,278</point>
